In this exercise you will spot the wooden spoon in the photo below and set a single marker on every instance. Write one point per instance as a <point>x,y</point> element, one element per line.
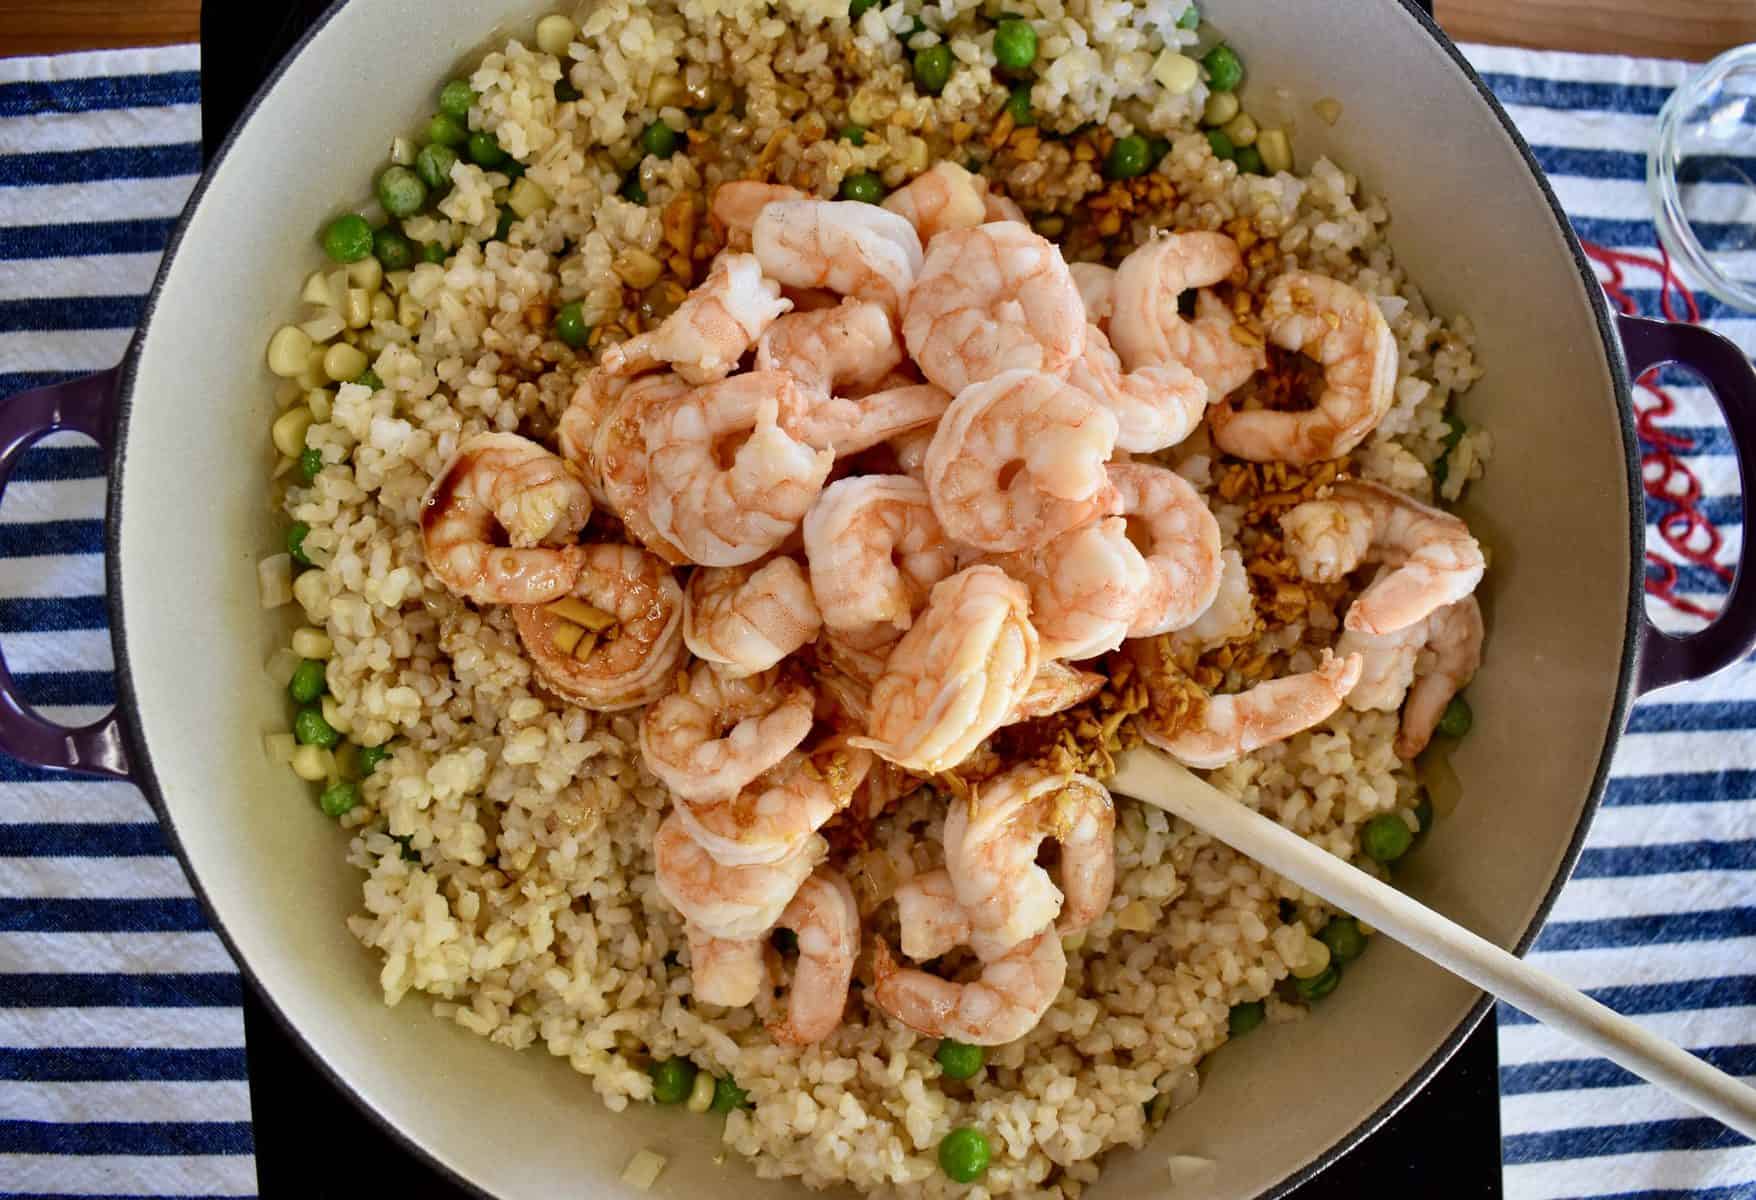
<point>1156,779</point>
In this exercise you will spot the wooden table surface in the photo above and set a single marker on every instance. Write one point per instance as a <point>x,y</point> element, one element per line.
<point>1695,29</point>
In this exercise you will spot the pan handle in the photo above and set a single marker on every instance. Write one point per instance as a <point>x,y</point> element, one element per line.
<point>85,406</point>
<point>1667,658</point>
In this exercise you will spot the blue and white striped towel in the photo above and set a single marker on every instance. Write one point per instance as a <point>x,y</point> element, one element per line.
<point>121,1060</point>
<point>121,1036</point>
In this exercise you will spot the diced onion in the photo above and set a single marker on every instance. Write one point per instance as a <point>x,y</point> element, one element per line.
<point>643,1169</point>
<point>316,291</point>
<point>281,665</point>
<point>1176,73</point>
<point>526,197</point>
<point>324,326</point>
<point>402,152</point>
<point>281,747</point>
<point>1189,1169</point>
<point>274,580</point>
<point>333,714</point>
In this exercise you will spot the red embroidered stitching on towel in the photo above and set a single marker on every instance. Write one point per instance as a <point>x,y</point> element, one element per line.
<point>1685,529</point>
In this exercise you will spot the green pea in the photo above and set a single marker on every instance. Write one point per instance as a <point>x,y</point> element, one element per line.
<point>503,227</point>
<point>1190,19</point>
<point>933,68</point>
<point>958,1060</point>
<point>455,99</point>
<point>401,192</point>
<point>1015,44</point>
<point>447,130</point>
<point>311,729</point>
<point>1249,160</point>
<point>371,756</point>
<point>1318,986</point>
<point>433,252</point>
<point>296,533</point>
<point>1018,107</point>
<point>1225,70</point>
<point>632,191</point>
<point>672,1080</point>
<point>1156,149</point>
<point>347,239</point>
<point>394,251</point>
<point>308,682</point>
<point>963,1155</point>
<point>511,168</point>
<point>310,463</point>
<point>339,798</point>
<point>1344,939</point>
<point>864,186</point>
<point>1128,158</point>
<point>570,326</point>
<point>1457,718</point>
<point>1222,145</point>
<point>854,133</point>
<point>1246,1017</point>
<point>727,1095</point>
<point>484,149</point>
<point>1386,838</point>
<point>433,164</point>
<point>659,140</point>
<point>1424,812</point>
<point>369,379</point>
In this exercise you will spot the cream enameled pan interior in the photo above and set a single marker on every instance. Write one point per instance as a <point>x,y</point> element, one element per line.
<point>1469,222</point>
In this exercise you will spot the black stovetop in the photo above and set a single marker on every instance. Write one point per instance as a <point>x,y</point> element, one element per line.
<point>1446,1142</point>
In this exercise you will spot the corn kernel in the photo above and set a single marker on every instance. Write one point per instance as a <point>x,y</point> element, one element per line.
<point>368,273</point>
<point>1221,108</point>
<point>344,363</point>
<point>555,33</point>
<point>313,763</point>
<point>358,308</point>
<point>701,1093</point>
<point>287,351</point>
<point>337,720</point>
<point>1276,150</point>
<point>1242,130</point>
<point>288,430</point>
<point>383,307</point>
<point>310,642</point>
<point>1176,73</point>
<point>1315,961</point>
<point>321,402</point>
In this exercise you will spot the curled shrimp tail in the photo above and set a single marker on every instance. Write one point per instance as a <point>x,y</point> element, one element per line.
<point>1455,638</point>
<point>1233,726</point>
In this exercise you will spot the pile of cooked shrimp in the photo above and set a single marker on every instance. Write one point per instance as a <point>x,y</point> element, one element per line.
<point>894,446</point>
